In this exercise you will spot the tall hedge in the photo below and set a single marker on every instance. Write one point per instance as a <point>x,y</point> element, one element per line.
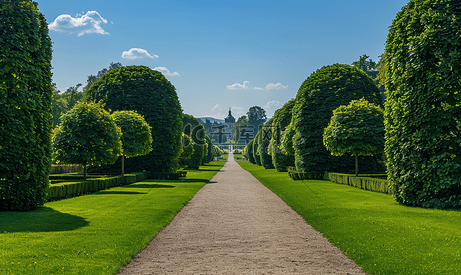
<point>256,152</point>
<point>422,63</point>
<point>249,149</point>
<point>149,93</point>
<point>196,131</point>
<point>25,105</point>
<point>282,119</point>
<point>263,146</point>
<point>321,93</point>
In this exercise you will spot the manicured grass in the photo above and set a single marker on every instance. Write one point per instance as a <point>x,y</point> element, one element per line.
<point>96,233</point>
<point>371,228</point>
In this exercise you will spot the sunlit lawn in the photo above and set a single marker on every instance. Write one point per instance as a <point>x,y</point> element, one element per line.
<point>96,233</point>
<point>371,228</point>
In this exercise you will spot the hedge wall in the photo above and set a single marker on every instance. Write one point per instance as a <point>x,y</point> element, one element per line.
<point>282,119</point>
<point>25,105</point>
<point>149,93</point>
<point>362,182</point>
<point>321,93</point>
<point>422,64</point>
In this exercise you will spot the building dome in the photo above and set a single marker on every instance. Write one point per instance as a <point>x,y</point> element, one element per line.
<point>229,118</point>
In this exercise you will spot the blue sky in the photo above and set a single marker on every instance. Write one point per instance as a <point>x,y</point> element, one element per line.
<point>218,54</point>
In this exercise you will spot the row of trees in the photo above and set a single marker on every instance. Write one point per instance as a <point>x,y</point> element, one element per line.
<point>339,110</point>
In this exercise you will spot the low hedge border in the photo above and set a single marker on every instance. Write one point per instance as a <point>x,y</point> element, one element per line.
<point>295,175</point>
<point>363,182</point>
<point>62,190</point>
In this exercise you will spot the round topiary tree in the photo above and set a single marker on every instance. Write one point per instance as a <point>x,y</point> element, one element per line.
<point>422,65</point>
<point>356,129</point>
<point>87,135</point>
<point>196,131</point>
<point>149,93</point>
<point>136,135</point>
<point>25,106</point>
<point>187,148</point>
<point>321,93</point>
<point>282,119</point>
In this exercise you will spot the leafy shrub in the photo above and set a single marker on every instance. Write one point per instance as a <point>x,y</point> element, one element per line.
<point>265,137</point>
<point>25,105</point>
<point>321,93</point>
<point>249,149</point>
<point>136,134</point>
<point>195,129</point>
<point>282,119</point>
<point>356,129</point>
<point>256,153</point>
<point>87,135</point>
<point>149,93</point>
<point>422,65</point>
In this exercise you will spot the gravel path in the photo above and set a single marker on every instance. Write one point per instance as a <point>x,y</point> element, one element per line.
<point>235,225</point>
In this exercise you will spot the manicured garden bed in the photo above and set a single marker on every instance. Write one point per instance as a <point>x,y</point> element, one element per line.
<point>96,233</point>
<point>379,234</point>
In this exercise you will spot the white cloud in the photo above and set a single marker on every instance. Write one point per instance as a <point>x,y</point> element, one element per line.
<point>217,107</point>
<point>238,86</point>
<point>88,23</point>
<point>165,71</point>
<point>135,53</point>
<point>257,88</point>
<point>278,86</point>
<point>274,103</point>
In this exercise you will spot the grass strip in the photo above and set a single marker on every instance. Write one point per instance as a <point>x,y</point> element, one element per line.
<point>371,228</point>
<point>96,233</point>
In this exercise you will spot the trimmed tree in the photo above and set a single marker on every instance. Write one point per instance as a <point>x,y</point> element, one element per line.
<point>356,129</point>
<point>263,147</point>
<point>87,136</point>
<point>25,106</point>
<point>256,153</point>
<point>321,93</point>
<point>136,135</point>
<point>149,93</point>
<point>187,148</point>
<point>282,119</point>
<point>249,152</point>
<point>194,128</point>
<point>422,72</point>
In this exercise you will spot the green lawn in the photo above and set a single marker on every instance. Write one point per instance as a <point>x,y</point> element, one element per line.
<point>96,233</point>
<point>371,228</point>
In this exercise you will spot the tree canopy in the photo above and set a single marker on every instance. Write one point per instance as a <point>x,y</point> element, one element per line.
<point>356,129</point>
<point>88,135</point>
<point>321,93</point>
<point>149,93</point>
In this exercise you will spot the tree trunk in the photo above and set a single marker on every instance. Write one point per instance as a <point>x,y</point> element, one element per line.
<point>84,172</point>
<point>356,165</point>
<point>123,165</point>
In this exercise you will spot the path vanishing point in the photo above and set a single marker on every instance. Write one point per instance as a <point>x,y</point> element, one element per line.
<point>235,225</point>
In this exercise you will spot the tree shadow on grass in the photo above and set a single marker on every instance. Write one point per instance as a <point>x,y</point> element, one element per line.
<point>194,180</point>
<point>209,170</point>
<point>118,193</point>
<point>43,219</point>
<point>146,185</point>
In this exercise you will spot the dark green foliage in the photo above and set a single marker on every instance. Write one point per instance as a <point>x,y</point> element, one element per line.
<point>282,119</point>
<point>263,146</point>
<point>25,105</point>
<point>88,135</point>
<point>149,93</point>
<point>249,152</point>
<point>256,153</point>
<point>321,93</point>
<point>356,129</point>
<point>256,118</point>
<point>195,129</point>
<point>422,68</point>
<point>187,148</point>
<point>136,133</point>
<point>210,150</point>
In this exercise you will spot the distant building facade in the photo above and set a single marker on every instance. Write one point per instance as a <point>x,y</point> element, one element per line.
<point>230,122</point>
